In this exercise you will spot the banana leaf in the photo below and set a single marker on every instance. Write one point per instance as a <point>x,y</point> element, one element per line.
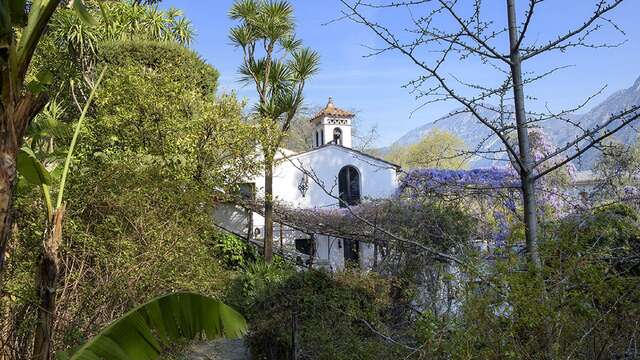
<point>143,332</point>
<point>31,168</point>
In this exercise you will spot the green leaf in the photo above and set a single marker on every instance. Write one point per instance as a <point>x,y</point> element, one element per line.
<point>36,87</point>
<point>45,77</point>
<point>12,14</point>
<point>39,14</point>
<point>141,333</point>
<point>83,13</point>
<point>31,168</point>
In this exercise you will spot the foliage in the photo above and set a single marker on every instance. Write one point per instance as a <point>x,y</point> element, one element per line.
<point>137,221</point>
<point>279,79</point>
<point>618,171</point>
<point>69,50</point>
<point>587,308</point>
<point>142,332</point>
<point>386,222</point>
<point>23,95</point>
<point>122,21</point>
<point>159,104</point>
<point>130,234</point>
<point>234,252</point>
<point>328,315</point>
<point>437,149</point>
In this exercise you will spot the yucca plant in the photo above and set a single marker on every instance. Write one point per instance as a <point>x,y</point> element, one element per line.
<point>145,331</point>
<point>278,66</point>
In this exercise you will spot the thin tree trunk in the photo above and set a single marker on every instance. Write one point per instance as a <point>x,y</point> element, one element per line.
<point>7,179</point>
<point>524,146</point>
<point>526,173</point>
<point>268,208</point>
<point>15,117</point>
<point>294,332</point>
<point>8,152</point>
<point>47,286</point>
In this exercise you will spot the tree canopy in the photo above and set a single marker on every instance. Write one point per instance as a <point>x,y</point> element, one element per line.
<point>436,149</point>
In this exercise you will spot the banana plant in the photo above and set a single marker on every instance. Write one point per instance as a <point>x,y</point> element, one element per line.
<point>143,332</point>
<point>34,172</point>
<point>22,25</point>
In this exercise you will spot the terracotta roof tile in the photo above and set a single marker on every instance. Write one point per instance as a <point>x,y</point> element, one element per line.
<point>332,111</point>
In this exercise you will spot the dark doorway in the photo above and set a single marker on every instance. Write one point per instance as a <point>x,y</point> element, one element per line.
<point>351,253</point>
<point>304,246</point>
<point>349,186</point>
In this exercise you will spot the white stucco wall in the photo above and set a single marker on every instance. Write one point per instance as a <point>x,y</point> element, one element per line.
<point>377,178</point>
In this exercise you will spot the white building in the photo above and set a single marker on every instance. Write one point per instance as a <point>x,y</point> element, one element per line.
<point>318,178</point>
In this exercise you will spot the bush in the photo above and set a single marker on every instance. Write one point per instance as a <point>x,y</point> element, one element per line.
<point>331,315</point>
<point>583,305</point>
<point>234,252</point>
<point>130,234</point>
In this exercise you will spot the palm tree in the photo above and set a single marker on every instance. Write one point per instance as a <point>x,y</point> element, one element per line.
<point>278,66</point>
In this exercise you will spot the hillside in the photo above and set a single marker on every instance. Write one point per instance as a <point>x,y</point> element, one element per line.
<point>472,132</point>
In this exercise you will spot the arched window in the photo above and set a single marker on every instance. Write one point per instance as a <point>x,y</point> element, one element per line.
<point>349,186</point>
<point>317,139</point>
<point>337,136</point>
<point>321,137</point>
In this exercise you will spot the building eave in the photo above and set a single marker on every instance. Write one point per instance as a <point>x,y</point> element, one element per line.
<point>339,147</point>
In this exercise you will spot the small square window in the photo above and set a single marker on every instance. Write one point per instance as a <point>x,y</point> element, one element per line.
<point>247,191</point>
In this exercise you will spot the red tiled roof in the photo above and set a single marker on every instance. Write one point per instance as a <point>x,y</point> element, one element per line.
<point>332,111</point>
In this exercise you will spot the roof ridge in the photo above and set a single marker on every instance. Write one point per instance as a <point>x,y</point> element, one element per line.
<point>347,149</point>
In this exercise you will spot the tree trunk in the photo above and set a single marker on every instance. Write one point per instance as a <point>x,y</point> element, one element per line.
<point>7,179</point>
<point>268,208</point>
<point>524,146</point>
<point>47,285</point>
<point>8,152</point>
<point>15,117</point>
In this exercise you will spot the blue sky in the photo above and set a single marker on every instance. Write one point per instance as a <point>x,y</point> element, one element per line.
<point>373,85</point>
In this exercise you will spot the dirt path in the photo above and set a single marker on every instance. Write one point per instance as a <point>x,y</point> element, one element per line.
<point>222,349</point>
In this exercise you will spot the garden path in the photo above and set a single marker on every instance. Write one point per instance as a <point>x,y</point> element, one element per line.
<point>222,349</point>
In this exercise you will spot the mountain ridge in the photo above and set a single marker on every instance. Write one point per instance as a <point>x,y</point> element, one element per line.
<point>473,133</point>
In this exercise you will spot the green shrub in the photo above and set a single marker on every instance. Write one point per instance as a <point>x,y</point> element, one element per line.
<point>234,252</point>
<point>583,305</point>
<point>333,314</point>
<point>130,234</point>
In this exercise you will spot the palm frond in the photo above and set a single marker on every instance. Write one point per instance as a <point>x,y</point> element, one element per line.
<point>242,35</point>
<point>244,10</point>
<point>290,43</point>
<point>304,64</point>
<point>278,10</point>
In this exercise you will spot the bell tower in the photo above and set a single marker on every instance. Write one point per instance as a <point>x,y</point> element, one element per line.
<point>331,125</point>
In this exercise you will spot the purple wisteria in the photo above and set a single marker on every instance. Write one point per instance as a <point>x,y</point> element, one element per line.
<point>447,180</point>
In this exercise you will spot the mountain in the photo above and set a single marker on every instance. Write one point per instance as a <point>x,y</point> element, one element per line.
<point>466,127</point>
